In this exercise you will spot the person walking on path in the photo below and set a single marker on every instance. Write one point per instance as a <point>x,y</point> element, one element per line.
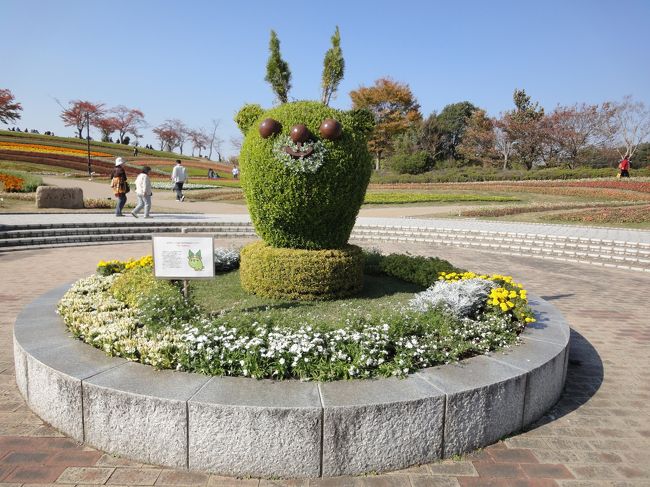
<point>143,192</point>
<point>179,176</point>
<point>624,167</point>
<point>119,185</point>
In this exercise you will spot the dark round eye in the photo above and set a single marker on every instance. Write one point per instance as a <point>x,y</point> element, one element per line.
<point>330,129</point>
<point>300,133</point>
<point>269,127</point>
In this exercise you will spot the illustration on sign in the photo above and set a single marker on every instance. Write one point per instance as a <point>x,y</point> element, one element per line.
<point>194,260</point>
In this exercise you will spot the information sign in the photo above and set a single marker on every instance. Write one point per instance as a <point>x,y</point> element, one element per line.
<point>183,256</point>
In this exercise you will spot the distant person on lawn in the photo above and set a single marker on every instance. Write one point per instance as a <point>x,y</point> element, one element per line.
<point>235,172</point>
<point>179,176</point>
<point>119,185</point>
<point>143,192</point>
<point>624,167</point>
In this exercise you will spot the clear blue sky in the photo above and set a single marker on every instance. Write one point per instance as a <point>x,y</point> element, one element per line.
<point>196,60</point>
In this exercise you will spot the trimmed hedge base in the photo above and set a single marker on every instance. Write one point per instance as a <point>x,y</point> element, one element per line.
<point>280,273</point>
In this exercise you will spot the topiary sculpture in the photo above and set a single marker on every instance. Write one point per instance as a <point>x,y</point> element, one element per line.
<point>305,168</point>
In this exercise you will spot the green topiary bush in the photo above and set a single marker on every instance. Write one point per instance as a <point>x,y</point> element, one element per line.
<point>310,202</point>
<point>281,273</point>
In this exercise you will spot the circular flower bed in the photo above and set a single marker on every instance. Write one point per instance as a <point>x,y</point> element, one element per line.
<point>126,312</point>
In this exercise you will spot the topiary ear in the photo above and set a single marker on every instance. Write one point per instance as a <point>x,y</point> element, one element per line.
<point>247,115</point>
<point>361,121</point>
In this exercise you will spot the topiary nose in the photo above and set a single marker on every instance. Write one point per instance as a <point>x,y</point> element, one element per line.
<point>299,133</point>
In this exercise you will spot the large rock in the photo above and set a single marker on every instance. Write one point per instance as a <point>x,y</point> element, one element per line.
<point>51,197</point>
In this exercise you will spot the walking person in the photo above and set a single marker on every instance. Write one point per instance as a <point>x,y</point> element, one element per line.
<point>624,167</point>
<point>119,185</point>
<point>143,192</point>
<point>179,177</point>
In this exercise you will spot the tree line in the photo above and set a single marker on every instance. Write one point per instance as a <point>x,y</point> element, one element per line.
<point>124,122</point>
<point>464,134</point>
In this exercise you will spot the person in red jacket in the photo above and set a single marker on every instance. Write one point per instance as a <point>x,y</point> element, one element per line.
<point>624,167</point>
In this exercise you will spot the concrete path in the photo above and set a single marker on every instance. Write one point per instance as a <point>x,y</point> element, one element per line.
<point>166,201</point>
<point>601,233</point>
<point>597,435</point>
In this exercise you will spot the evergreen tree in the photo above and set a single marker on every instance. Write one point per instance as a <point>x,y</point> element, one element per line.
<point>333,67</point>
<point>277,70</point>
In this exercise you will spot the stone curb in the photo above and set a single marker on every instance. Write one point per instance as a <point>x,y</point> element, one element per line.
<point>239,426</point>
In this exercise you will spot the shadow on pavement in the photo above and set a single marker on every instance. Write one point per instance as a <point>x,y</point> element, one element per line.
<point>585,374</point>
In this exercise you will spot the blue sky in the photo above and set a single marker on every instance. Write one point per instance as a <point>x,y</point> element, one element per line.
<point>198,60</point>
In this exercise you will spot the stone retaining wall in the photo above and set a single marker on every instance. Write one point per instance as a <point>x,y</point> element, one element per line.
<point>239,426</point>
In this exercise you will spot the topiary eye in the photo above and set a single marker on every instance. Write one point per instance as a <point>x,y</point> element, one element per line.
<point>269,127</point>
<point>330,129</point>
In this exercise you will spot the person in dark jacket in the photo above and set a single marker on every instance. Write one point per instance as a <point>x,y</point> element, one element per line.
<point>119,185</point>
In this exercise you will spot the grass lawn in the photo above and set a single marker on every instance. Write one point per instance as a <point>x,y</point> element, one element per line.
<point>35,168</point>
<point>224,295</point>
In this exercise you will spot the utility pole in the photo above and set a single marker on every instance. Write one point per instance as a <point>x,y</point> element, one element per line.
<point>90,172</point>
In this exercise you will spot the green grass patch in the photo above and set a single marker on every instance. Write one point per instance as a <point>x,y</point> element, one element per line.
<point>383,198</point>
<point>224,295</point>
<point>33,167</point>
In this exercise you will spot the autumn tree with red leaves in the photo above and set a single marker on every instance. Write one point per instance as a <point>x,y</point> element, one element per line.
<point>128,121</point>
<point>572,129</point>
<point>394,108</point>
<point>9,108</point>
<point>106,125</point>
<point>75,115</point>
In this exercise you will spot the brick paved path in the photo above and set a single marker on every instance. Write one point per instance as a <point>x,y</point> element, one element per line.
<point>597,435</point>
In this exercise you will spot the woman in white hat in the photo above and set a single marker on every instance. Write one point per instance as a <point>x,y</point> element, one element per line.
<point>119,185</point>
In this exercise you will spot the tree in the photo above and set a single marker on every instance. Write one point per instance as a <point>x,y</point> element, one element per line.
<point>236,142</point>
<point>571,129</point>
<point>629,124</point>
<point>106,125</point>
<point>453,120</point>
<point>394,109</point>
<point>167,134</point>
<point>75,115</point>
<point>333,68</point>
<point>9,108</point>
<point>215,142</point>
<point>503,144</point>
<point>199,140</point>
<point>128,121</point>
<point>277,70</point>
<point>423,136</point>
<point>478,141</point>
<point>524,126</point>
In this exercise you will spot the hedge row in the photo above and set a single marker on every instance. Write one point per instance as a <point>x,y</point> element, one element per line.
<point>470,174</point>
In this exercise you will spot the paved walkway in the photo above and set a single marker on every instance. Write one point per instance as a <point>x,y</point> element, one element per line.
<point>597,435</point>
<point>601,233</point>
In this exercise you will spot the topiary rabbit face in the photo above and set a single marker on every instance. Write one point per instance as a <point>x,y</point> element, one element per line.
<point>305,168</point>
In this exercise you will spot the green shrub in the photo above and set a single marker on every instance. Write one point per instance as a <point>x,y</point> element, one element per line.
<point>308,210</point>
<point>378,198</point>
<point>469,174</point>
<point>416,269</point>
<point>160,302</point>
<point>416,163</point>
<point>280,273</point>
